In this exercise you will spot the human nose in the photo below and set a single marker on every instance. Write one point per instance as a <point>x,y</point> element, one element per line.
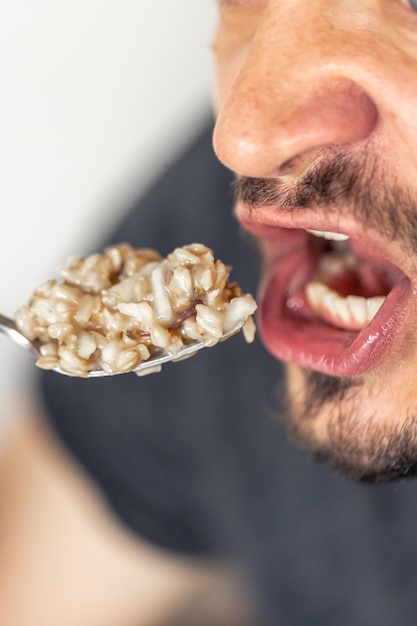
<point>306,83</point>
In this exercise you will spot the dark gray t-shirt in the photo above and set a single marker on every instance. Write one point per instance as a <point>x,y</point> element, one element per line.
<point>194,458</point>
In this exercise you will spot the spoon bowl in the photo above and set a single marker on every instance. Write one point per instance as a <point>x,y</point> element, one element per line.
<point>153,364</point>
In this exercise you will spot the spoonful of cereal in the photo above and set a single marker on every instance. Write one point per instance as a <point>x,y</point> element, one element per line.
<point>131,310</point>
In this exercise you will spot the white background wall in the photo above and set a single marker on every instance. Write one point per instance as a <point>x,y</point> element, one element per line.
<point>95,96</point>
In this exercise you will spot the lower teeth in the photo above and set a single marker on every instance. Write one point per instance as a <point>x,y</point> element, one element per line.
<point>350,312</point>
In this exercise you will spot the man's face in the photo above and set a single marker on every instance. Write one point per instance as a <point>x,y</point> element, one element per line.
<point>317,116</point>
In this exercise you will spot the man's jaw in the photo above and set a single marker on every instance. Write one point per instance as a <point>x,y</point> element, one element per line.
<point>344,230</point>
<point>336,421</point>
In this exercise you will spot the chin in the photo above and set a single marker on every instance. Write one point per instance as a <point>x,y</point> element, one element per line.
<point>356,425</point>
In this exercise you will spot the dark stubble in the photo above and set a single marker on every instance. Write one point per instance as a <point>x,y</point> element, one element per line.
<point>347,182</point>
<point>369,449</point>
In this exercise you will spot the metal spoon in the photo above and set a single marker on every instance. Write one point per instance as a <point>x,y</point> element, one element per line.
<point>8,327</point>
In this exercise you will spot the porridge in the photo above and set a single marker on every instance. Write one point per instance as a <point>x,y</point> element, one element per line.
<point>116,309</point>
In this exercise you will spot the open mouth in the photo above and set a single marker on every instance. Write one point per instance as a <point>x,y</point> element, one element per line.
<point>330,302</point>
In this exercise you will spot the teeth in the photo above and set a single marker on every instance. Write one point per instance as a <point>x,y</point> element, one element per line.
<point>326,234</point>
<point>352,312</point>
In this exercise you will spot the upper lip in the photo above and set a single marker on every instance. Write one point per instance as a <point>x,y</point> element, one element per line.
<point>273,225</point>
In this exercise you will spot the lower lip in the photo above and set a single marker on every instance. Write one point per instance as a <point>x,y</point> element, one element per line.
<point>291,335</point>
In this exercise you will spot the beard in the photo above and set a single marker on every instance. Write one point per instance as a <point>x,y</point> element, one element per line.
<point>357,442</point>
<point>337,419</point>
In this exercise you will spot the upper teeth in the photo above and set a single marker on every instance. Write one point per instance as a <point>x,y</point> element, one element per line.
<point>328,235</point>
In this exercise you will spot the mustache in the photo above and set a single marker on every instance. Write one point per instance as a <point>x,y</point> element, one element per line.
<point>348,184</point>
